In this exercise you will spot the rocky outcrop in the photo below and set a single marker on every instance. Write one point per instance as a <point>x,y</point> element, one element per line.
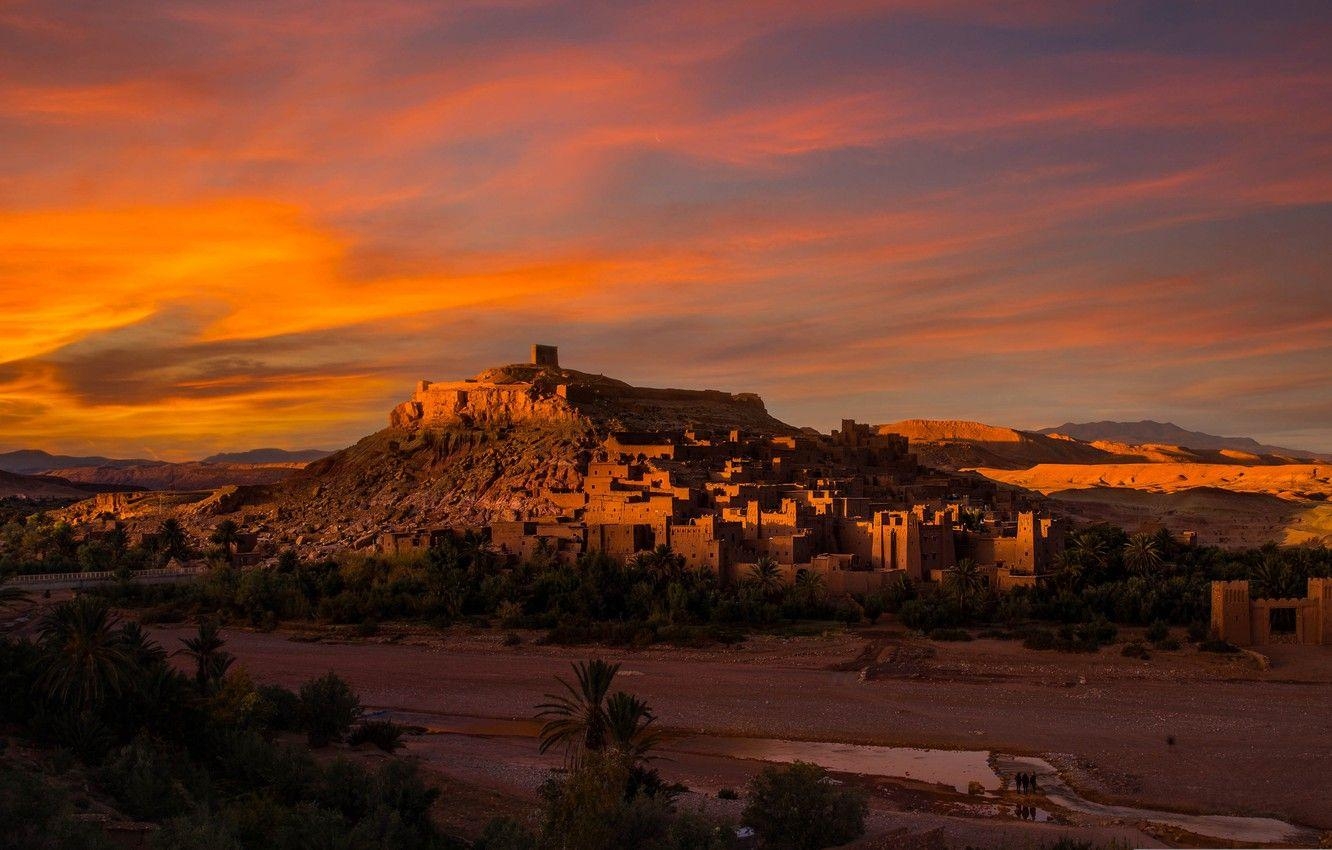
<point>521,393</point>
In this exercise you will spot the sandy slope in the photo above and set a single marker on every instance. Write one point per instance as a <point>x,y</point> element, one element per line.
<point>1290,481</point>
<point>1227,505</point>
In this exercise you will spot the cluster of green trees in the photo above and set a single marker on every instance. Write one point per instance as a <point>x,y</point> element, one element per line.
<point>31,541</point>
<point>610,797</point>
<point>652,598</point>
<point>198,753</point>
<point>1107,576</point>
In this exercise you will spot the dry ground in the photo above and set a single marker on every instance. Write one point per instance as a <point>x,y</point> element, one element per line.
<point>1247,742</point>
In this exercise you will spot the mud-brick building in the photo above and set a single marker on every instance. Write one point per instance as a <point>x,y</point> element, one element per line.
<point>1258,622</point>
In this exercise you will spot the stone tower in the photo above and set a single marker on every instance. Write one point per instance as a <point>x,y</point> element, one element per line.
<point>1231,613</point>
<point>545,355</point>
<point>1320,589</point>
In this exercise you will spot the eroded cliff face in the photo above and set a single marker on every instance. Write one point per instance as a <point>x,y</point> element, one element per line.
<point>476,404</point>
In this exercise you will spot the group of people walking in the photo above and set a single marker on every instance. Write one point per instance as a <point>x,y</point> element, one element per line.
<point>1026,782</point>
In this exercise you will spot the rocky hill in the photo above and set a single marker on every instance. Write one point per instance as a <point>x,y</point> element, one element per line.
<point>491,447</point>
<point>958,444</point>
<point>41,487</point>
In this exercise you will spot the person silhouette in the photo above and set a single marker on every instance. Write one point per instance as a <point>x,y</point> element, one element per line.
<point>1031,782</point>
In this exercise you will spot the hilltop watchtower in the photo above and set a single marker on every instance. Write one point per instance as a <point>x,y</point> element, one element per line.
<point>546,355</point>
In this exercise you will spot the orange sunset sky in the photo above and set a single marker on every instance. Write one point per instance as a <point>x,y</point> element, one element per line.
<point>233,224</point>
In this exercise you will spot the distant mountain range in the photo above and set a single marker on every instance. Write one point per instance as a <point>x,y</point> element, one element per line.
<point>1148,432</point>
<point>29,461</point>
<point>40,487</point>
<point>46,475</point>
<point>268,456</point>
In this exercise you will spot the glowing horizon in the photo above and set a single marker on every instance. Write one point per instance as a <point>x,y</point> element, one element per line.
<point>237,224</point>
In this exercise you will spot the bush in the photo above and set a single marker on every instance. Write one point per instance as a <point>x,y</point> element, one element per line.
<point>1135,649</point>
<point>204,833</point>
<point>384,734</point>
<point>1084,637</point>
<point>1168,644</point>
<point>147,781</point>
<point>505,834</point>
<point>1218,645</point>
<point>35,815</point>
<point>277,709</point>
<point>728,794</point>
<point>1157,631</point>
<point>949,634</point>
<point>329,707</point>
<point>797,807</point>
<point>1039,639</point>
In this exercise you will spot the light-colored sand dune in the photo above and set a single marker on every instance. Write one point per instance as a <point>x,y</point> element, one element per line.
<point>1289,481</point>
<point>1227,505</point>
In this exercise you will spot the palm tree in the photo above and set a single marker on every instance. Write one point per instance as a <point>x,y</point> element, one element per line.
<point>766,576</point>
<point>809,585</point>
<point>1272,578</point>
<point>146,653</point>
<point>964,581</point>
<point>171,539</point>
<point>211,661</point>
<point>87,658</point>
<point>1142,554</point>
<point>226,535</point>
<point>578,716</point>
<point>627,722</point>
<point>1090,550</point>
<point>661,562</point>
<point>1068,568</point>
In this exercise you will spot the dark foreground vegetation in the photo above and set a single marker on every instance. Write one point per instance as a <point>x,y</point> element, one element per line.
<point>214,760</point>
<point>102,720</point>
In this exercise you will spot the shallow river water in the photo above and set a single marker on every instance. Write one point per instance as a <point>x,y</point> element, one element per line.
<point>956,769</point>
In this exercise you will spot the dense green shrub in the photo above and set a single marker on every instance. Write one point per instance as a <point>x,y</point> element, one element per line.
<point>277,709</point>
<point>329,707</point>
<point>152,782</point>
<point>384,734</point>
<point>798,807</point>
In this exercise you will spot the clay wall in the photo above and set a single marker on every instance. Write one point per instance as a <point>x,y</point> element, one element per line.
<point>1230,612</point>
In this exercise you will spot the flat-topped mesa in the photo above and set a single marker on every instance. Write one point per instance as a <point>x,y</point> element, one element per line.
<point>543,391</point>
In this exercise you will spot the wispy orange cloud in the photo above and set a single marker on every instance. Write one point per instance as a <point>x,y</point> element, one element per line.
<point>279,214</point>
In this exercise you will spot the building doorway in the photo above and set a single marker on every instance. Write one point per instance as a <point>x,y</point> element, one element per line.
<point>1281,621</point>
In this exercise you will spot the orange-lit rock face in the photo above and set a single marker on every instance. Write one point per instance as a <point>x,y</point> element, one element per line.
<point>438,405</point>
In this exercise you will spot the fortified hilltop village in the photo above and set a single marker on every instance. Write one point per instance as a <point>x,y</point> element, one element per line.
<point>854,507</point>
<point>544,461</point>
